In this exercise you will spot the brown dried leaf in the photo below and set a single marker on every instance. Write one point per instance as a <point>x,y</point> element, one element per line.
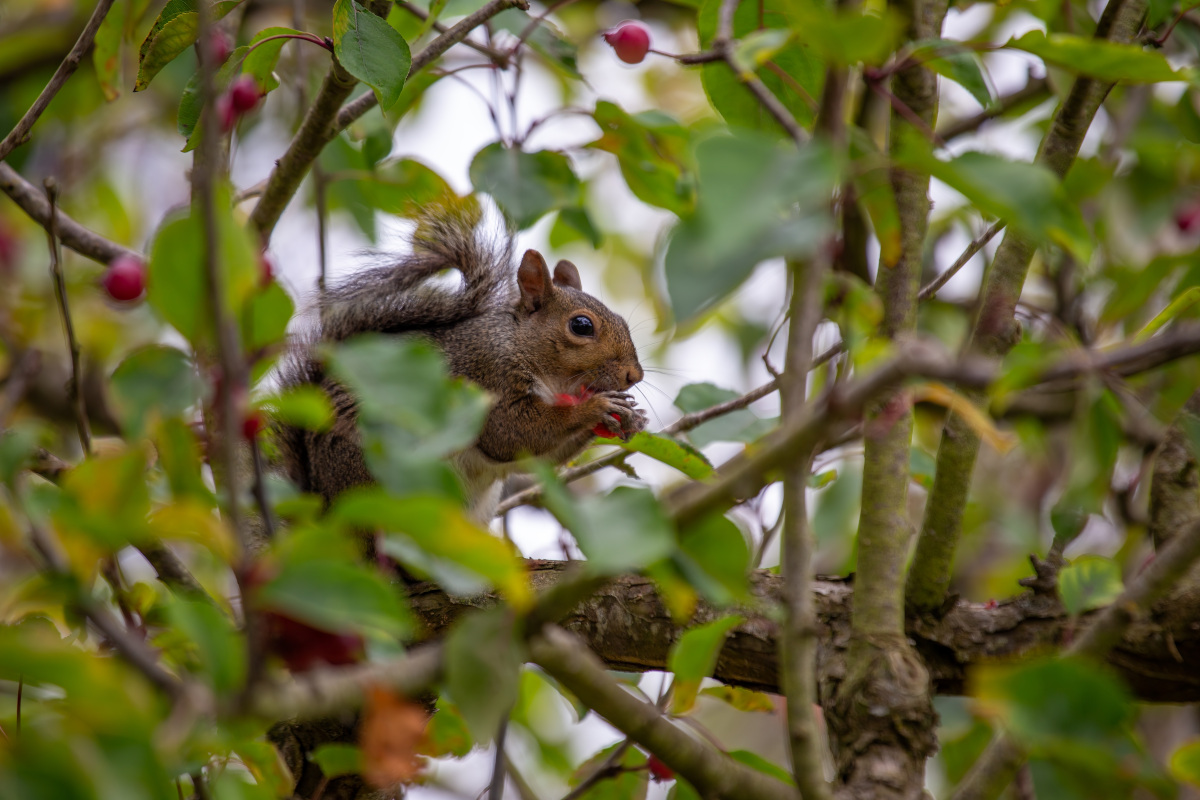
<point>392,729</point>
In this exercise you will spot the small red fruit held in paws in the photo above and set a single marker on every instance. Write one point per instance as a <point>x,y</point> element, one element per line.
<point>125,279</point>
<point>630,40</point>
<point>604,432</point>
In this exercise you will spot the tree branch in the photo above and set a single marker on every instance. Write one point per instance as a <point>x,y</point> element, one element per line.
<point>999,763</point>
<point>327,118</point>
<point>995,330</point>
<point>626,623</point>
<point>712,772</point>
<point>1033,92</point>
<point>20,132</point>
<point>86,242</point>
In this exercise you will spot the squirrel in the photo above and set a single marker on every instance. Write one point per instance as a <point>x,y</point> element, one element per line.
<point>557,361</point>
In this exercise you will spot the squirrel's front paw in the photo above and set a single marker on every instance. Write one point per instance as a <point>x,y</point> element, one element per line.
<point>621,416</point>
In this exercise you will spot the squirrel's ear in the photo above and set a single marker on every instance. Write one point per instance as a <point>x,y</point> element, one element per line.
<point>533,277</point>
<point>565,274</point>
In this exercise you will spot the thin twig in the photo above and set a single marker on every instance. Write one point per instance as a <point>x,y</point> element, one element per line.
<point>20,133</point>
<point>431,53</point>
<point>498,57</point>
<point>1036,89</point>
<point>931,288</point>
<point>496,787</point>
<point>135,651</point>
<point>528,30</point>
<point>723,44</point>
<point>75,387</point>
<point>18,378</point>
<point>606,770</point>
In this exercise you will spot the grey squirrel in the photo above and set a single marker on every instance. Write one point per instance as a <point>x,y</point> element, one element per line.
<point>557,362</point>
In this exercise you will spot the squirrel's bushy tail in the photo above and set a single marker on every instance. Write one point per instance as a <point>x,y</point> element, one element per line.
<point>395,299</point>
<point>392,299</point>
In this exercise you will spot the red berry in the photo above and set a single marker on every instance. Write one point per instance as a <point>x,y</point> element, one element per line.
<point>266,270</point>
<point>253,424</point>
<point>244,94</point>
<point>303,647</point>
<point>603,432</point>
<point>125,279</point>
<point>630,40</point>
<point>226,114</point>
<point>660,771</point>
<point>219,47</point>
<point>1187,218</point>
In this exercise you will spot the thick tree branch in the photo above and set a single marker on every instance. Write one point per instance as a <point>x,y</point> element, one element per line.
<point>995,330</point>
<point>627,625</point>
<point>20,132</point>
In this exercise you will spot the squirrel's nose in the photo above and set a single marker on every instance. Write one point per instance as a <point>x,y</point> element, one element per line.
<point>633,375</point>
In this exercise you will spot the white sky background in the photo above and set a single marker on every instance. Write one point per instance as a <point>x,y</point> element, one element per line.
<point>453,124</point>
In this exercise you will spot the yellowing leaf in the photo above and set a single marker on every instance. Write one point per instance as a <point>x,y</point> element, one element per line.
<point>978,420</point>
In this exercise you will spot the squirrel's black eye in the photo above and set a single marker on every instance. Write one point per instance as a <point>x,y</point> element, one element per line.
<point>582,326</point>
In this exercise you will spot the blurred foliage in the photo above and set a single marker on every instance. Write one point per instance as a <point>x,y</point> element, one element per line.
<point>1119,261</point>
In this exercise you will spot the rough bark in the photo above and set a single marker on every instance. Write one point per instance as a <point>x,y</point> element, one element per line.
<point>629,628</point>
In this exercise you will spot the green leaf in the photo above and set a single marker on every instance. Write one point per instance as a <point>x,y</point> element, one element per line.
<point>798,91</point>
<point>371,50</point>
<point>1098,58</point>
<point>304,406</point>
<point>153,380</point>
<point>441,531</point>
<point>715,558</point>
<point>693,658</point>
<point>757,200</point>
<point>106,50</point>
<point>686,459</point>
<point>483,669</point>
<point>172,39</point>
<point>337,596</point>
<point>335,758</point>
<point>629,781</point>
<point>574,225</point>
<point>740,698</point>
<point>412,414</point>
<point>216,645</point>
<point>176,284</point>
<point>643,537</point>
<point>759,763</point>
<point>953,61</point>
<point>106,499</point>
<point>843,37</point>
<point>742,425</point>
<point>1185,763</point>
<point>1057,699</point>
<point>179,456</point>
<point>265,317</point>
<point>446,734</point>
<point>405,186</point>
<point>525,185</point>
<point>1028,196</point>
<point>654,152</point>
<point>261,59</point>
<point>1089,582</point>
<point>190,101</point>
<point>758,47</point>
